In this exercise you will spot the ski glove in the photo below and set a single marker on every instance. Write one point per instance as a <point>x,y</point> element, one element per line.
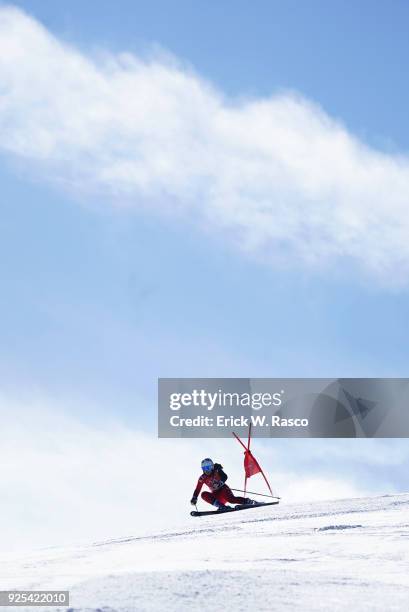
<point>193,501</point>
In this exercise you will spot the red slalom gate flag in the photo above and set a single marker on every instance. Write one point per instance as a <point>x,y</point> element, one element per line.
<point>251,465</point>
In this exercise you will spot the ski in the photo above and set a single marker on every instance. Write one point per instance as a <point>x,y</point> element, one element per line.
<point>229,509</point>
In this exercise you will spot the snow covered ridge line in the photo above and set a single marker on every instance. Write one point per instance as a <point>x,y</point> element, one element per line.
<point>292,511</point>
<point>239,421</point>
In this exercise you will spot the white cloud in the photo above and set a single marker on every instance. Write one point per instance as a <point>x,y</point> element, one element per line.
<point>277,177</point>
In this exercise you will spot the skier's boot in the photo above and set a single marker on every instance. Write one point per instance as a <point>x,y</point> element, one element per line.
<point>221,507</point>
<point>247,502</point>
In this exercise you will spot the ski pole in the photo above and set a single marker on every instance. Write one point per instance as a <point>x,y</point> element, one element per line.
<point>253,493</point>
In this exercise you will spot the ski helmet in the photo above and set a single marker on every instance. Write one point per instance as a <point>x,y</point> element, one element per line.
<point>207,465</point>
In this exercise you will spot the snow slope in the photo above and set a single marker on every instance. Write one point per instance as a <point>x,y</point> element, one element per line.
<point>336,555</point>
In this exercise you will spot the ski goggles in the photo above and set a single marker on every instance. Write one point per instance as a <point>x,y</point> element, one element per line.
<point>207,468</point>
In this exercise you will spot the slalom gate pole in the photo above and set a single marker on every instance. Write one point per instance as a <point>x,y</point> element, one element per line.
<point>253,493</point>
<point>248,450</point>
<point>238,440</point>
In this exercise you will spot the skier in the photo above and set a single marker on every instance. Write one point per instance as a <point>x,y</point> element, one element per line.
<point>214,477</point>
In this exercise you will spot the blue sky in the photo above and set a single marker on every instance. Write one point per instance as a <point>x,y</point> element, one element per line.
<point>111,279</point>
<point>103,302</point>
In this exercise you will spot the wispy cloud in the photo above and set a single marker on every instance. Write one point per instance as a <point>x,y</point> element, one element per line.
<point>277,177</point>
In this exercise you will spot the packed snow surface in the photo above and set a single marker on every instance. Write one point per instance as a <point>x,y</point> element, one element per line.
<point>350,554</point>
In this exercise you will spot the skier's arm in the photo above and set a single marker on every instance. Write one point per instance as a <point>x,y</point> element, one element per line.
<point>223,475</point>
<point>196,492</point>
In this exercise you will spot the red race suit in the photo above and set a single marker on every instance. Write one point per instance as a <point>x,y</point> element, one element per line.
<point>216,481</point>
